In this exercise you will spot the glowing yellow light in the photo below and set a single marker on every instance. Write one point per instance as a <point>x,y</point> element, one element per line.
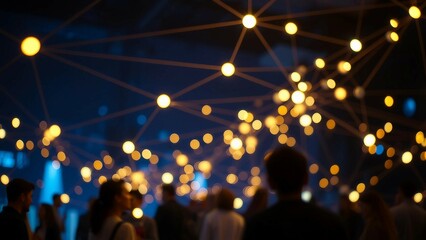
<point>238,203</point>
<point>310,101</point>
<point>323,183</point>
<point>242,115</point>
<point>388,164</point>
<point>85,172</point>
<point>420,137</point>
<point>298,97</point>
<point>30,145</point>
<point>61,156</point>
<point>4,179</point>
<point>389,101</point>
<point>30,46</point>
<point>256,124</point>
<point>423,156</point>
<point>97,164</point>
<point>250,117</point>
<point>369,140</point>
<point>232,178</point>
<point>205,166</point>
<point>128,147</point>
<point>360,187</point>
<point>207,138</point>
<point>291,142</point>
<point>414,12</point>
<point>305,120</point>
<point>331,83</point>
<point>374,180</point>
<point>353,196</point>
<point>182,160</point>
<point>295,76</point>
<point>251,141</point>
<point>65,198</point>
<point>146,153</point>
<point>236,143</point>
<point>331,124</point>
<point>302,86</point>
<point>394,23</point>
<point>270,122</point>
<point>163,101</point>
<point>206,110</point>
<point>249,21</point>
<point>356,45</point>
<point>407,157</point>
<point>55,130</point>
<point>388,127</point>
<point>392,36</point>
<point>344,67</point>
<point>167,177</point>
<point>418,197</point>
<point>282,110</point>
<point>2,133</point>
<point>16,122</point>
<point>244,128</point>
<point>290,28</point>
<point>174,138</point>
<point>334,169</point>
<point>316,117</point>
<point>228,135</point>
<point>320,63</point>
<point>380,133</point>
<point>137,213</point>
<point>313,168</point>
<point>340,93</point>
<point>20,144</point>
<point>136,155</point>
<point>194,144</point>
<point>228,69</point>
<point>284,95</point>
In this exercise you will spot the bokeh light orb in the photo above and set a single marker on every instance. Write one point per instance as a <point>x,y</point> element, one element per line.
<point>356,45</point>
<point>414,12</point>
<point>167,178</point>
<point>163,101</point>
<point>353,196</point>
<point>290,28</point>
<point>249,21</point>
<point>65,198</point>
<point>228,69</point>
<point>320,63</point>
<point>297,97</point>
<point>340,93</point>
<point>128,147</point>
<point>30,46</point>
<point>369,140</point>
<point>137,213</point>
<point>407,157</point>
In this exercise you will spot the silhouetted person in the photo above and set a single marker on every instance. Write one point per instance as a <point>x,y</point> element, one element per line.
<point>83,226</point>
<point>174,221</point>
<point>13,218</point>
<point>351,217</point>
<point>290,217</point>
<point>48,228</point>
<point>105,218</point>
<point>146,227</point>
<point>57,203</point>
<point>378,223</point>
<point>258,203</point>
<point>410,218</point>
<point>223,222</point>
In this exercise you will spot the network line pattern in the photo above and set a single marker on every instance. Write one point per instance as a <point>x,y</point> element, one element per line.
<point>154,115</point>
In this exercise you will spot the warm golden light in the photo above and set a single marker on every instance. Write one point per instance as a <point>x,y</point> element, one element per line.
<point>323,183</point>
<point>20,144</point>
<point>208,138</point>
<point>331,83</point>
<point>167,178</point>
<point>356,45</point>
<point>414,12</point>
<point>359,92</point>
<point>392,36</point>
<point>30,46</point>
<point>389,101</point>
<point>353,196</point>
<point>231,178</point>
<point>334,169</point>
<point>297,97</point>
<point>128,147</point>
<point>331,124</point>
<point>194,144</point>
<point>388,127</point>
<point>360,187</point>
<point>238,203</point>
<point>290,28</point>
<point>295,76</point>
<point>420,137</point>
<point>137,213</point>
<point>182,160</point>
<point>407,157</point>
<point>316,117</point>
<point>205,166</point>
<point>163,101</point>
<point>418,197</point>
<point>244,128</point>
<point>85,172</point>
<point>174,138</point>
<point>394,22</point>
<point>206,110</point>
<point>249,21</point>
<point>390,152</point>
<point>369,140</point>
<point>320,63</point>
<point>344,67</point>
<point>228,69</point>
<point>65,198</point>
<point>55,130</point>
<point>313,168</point>
<point>16,122</point>
<point>284,95</point>
<point>4,179</point>
<point>236,143</point>
<point>146,154</point>
<point>2,133</point>
<point>305,120</point>
<point>340,93</point>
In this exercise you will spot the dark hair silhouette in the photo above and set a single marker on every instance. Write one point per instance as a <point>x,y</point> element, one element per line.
<point>169,189</point>
<point>258,203</point>
<point>16,187</point>
<point>225,199</point>
<point>287,169</point>
<point>104,203</point>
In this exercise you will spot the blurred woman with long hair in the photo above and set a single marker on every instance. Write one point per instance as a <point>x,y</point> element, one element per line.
<point>105,219</point>
<point>48,228</point>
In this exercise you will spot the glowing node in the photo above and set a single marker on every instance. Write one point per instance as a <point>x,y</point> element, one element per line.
<point>65,198</point>
<point>340,93</point>
<point>290,28</point>
<point>137,213</point>
<point>4,179</point>
<point>320,63</point>
<point>407,157</point>
<point>85,172</point>
<point>298,97</point>
<point>167,178</point>
<point>228,69</point>
<point>16,122</point>
<point>414,12</point>
<point>394,23</point>
<point>418,197</point>
<point>2,133</point>
<point>392,37</point>
<point>343,67</point>
<point>295,76</point>
<point>284,95</point>
<point>389,101</point>
<point>163,101</point>
<point>30,46</point>
<point>369,140</point>
<point>356,45</point>
<point>128,147</point>
<point>353,196</point>
<point>249,21</point>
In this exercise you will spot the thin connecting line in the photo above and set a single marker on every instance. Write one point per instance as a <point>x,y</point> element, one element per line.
<point>340,122</point>
<point>264,8</point>
<point>10,63</point>
<point>110,116</point>
<point>40,90</point>
<point>135,59</point>
<point>256,80</point>
<point>228,8</point>
<point>70,20</point>
<point>145,126</point>
<point>227,100</point>
<point>103,76</point>
<point>196,113</point>
<point>10,36</point>
<point>151,34</point>
<point>22,107</point>
<point>238,45</point>
<point>422,47</point>
<point>377,67</point>
<point>196,85</point>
